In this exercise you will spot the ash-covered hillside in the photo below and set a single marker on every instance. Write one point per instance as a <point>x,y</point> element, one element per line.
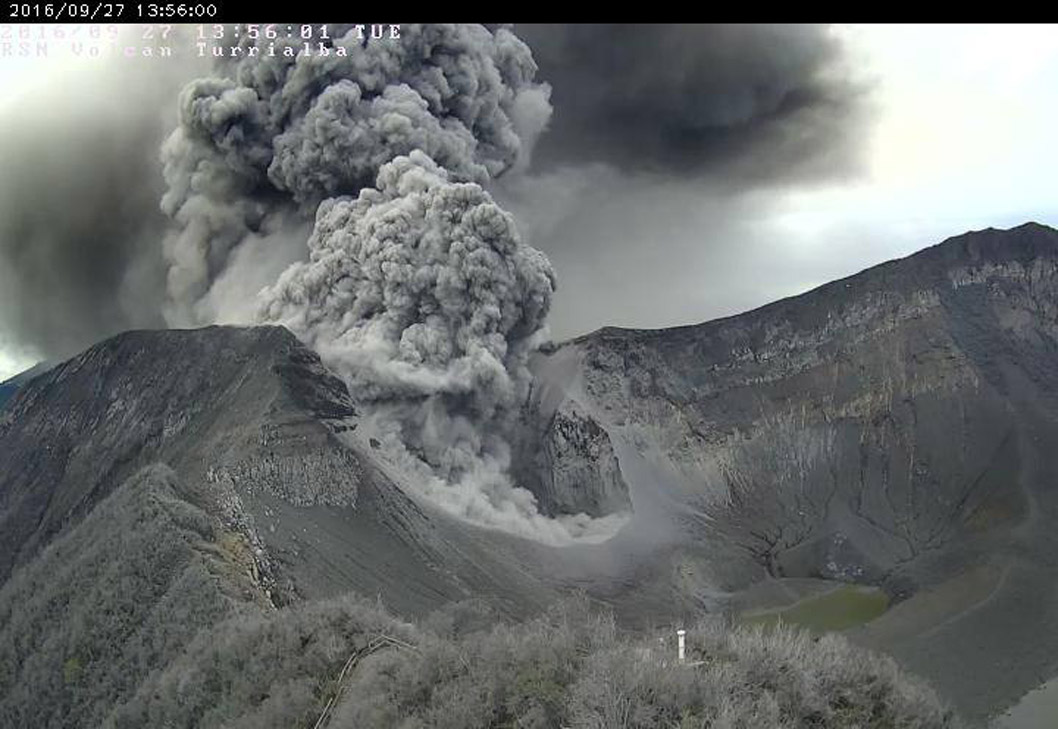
<point>195,534</point>
<point>896,427</point>
<point>163,482</point>
<point>256,427</point>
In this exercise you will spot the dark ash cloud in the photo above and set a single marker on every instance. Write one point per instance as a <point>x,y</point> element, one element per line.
<point>80,226</point>
<point>81,252</point>
<point>77,215</point>
<point>752,102</point>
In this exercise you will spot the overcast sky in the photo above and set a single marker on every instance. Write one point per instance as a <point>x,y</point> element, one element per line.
<point>667,198</point>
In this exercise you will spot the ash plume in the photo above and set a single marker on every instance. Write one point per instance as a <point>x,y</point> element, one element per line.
<point>418,289</point>
<point>754,103</point>
<point>264,141</point>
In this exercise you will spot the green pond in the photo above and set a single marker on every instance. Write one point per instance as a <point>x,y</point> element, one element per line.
<point>839,609</point>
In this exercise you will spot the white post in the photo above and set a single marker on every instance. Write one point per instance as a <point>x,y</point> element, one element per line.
<point>680,643</point>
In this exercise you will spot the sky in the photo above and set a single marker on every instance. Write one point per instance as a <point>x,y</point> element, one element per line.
<point>686,173</point>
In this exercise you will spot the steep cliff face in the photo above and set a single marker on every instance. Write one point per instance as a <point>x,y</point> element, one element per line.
<point>567,460</point>
<point>580,467</point>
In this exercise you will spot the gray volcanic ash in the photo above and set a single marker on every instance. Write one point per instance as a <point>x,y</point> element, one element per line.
<point>418,290</point>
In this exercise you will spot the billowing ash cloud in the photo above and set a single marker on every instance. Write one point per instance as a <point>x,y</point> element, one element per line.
<point>418,288</point>
<point>752,102</point>
<point>270,137</point>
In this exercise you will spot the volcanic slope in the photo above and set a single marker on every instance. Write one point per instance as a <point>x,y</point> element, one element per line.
<point>266,440</point>
<point>162,482</point>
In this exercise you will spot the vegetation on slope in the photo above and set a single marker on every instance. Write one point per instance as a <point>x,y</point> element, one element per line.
<point>570,667</point>
<point>112,600</point>
<point>143,615</point>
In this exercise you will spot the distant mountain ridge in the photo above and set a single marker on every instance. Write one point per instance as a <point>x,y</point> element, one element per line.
<point>10,385</point>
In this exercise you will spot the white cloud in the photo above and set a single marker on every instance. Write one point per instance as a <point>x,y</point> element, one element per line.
<point>964,140</point>
<point>12,362</point>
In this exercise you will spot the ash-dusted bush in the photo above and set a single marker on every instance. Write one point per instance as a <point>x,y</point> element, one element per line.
<point>572,668</point>
<point>504,676</point>
<point>116,597</point>
<point>459,618</point>
<point>752,678</point>
<point>259,671</point>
